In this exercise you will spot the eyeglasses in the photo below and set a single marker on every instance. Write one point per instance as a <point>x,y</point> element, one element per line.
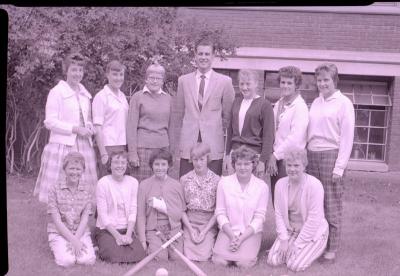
<point>154,79</point>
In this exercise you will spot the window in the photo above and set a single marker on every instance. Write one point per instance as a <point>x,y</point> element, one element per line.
<point>234,76</point>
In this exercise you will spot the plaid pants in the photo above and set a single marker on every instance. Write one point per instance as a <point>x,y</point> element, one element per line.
<point>320,165</point>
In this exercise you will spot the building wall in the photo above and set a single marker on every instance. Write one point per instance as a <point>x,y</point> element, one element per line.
<point>306,30</point>
<point>394,133</point>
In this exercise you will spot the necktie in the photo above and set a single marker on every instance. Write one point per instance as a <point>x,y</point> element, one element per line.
<point>201,91</point>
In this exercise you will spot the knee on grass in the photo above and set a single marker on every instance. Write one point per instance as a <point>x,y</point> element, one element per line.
<point>65,261</point>
<point>219,260</point>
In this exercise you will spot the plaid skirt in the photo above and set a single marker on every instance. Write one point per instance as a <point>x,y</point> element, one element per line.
<point>51,166</point>
<point>321,165</point>
<point>143,171</point>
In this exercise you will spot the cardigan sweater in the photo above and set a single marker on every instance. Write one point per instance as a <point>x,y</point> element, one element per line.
<point>258,127</point>
<point>107,202</point>
<point>171,191</point>
<point>312,210</point>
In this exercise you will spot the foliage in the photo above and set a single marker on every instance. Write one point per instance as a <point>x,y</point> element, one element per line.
<point>39,38</point>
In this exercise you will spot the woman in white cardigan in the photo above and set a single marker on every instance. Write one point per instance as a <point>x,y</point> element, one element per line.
<point>299,214</point>
<point>68,118</point>
<point>116,196</point>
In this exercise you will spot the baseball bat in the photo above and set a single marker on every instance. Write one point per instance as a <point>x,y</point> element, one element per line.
<point>146,260</point>
<point>188,262</point>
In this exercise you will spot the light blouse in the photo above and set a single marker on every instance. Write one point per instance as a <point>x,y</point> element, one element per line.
<point>241,208</point>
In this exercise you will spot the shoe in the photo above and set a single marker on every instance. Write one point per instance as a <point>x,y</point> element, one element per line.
<point>327,258</point>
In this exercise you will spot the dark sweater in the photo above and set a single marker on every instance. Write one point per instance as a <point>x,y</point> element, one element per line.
<point>258,128</point>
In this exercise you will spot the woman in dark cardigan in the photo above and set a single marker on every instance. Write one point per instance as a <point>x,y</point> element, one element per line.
<point>252,122</point>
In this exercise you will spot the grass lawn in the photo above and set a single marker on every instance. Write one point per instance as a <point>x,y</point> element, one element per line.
<point>370,238</point>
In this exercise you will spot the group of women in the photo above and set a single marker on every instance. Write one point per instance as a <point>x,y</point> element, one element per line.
<point>222,218</point>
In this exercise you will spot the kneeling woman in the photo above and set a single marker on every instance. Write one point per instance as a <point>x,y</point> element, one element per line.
<point>116,207</point>
<point>160,206</point>
<point>70,204</point>
<point>299,214</point>
<point>241,206</point>
<point>200,191</point>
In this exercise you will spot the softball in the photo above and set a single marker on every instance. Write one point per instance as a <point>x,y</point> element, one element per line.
<point>161,272</point>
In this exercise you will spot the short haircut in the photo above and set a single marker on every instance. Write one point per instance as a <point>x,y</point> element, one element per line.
<point>204,42</point>
<point>160,154</point>
<point>121,153</point>
<point>115,66</point>
<point>199,150</point>
<point>73,58</point>
<point>296,154</point>
<point>113,154</point>
<point>155,68</point>
<point>73,157</point>
<point>329,68</point>
<point>247,74</point>
<point>245,153</point>
<point>291,72</point>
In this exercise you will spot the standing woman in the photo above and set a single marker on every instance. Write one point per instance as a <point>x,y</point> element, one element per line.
<point>200,191</point>
<point>110,112</point>
<point>160,206</point>
<point>330,141</point>
<point>252,122</point>
<point>241,207</point>
<point>291,121</point>
<point>148,122</point>
<point>68,117</point>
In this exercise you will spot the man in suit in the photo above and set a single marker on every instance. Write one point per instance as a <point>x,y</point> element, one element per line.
<point>204,102</point>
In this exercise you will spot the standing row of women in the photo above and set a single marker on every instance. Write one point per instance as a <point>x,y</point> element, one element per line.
<point>269,136</point>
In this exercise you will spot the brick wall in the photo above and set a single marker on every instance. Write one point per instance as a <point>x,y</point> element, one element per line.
<point>394,126</point>
<point>306,30</point>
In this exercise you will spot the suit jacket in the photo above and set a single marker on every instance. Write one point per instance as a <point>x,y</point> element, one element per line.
<point>213,118</point>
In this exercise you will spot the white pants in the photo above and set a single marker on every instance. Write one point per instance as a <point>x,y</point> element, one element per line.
<point>65,257</point>
<point>303,258</point>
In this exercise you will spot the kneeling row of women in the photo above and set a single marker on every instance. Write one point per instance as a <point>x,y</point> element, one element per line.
<point>160,205</point>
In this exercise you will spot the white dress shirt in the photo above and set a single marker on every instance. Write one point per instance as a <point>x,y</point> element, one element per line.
<point>291,131</point>
<point>244,106</point>
<point>111,112</point>
<point>241,208</point>
<point>332,127</point>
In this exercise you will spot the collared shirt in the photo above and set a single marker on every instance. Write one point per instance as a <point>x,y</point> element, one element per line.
<point>69,204</point>
<point>332,127</point>
<point>200,192</point>
<point>291,126</point>
<point>241,208</point>
<point>111,112</point>
<point>206,80</point>
<point>147,90</point>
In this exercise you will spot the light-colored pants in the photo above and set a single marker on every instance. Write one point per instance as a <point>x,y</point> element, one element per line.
<point>303,258</point>
<point>66,257</point>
